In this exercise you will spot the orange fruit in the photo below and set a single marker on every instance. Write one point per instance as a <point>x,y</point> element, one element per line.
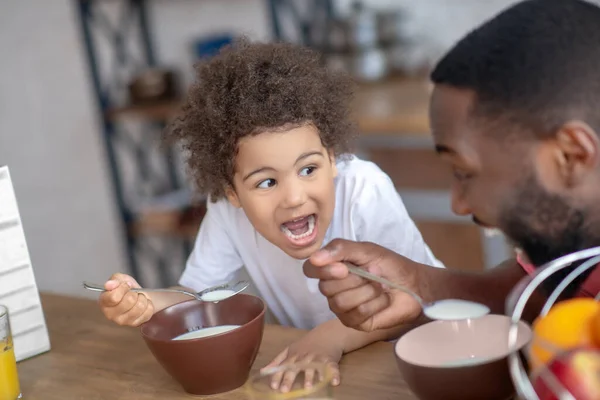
<point>595,328</point>
<point>566,326</point>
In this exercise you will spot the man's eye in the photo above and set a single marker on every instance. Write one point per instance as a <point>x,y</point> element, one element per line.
<point>307,171</point>
<point>267,183</point>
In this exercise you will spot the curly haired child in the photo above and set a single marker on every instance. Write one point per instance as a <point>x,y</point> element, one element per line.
<point>267,134</point>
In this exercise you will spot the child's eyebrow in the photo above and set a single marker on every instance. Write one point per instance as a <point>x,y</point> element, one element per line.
<point>300,158</point>
<point>257,171</point>
<point>308,154</point>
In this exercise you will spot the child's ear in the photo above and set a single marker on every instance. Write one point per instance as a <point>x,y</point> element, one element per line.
<point>232,197</point>
<point>333,163</point>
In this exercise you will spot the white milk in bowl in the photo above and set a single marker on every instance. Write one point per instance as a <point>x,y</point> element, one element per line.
<point>205,332</point>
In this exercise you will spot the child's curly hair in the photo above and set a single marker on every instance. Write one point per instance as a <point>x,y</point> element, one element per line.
<point>250,88</point>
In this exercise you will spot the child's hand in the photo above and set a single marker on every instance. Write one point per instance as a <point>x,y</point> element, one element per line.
<point>121,305</point>
<point>312,347</point>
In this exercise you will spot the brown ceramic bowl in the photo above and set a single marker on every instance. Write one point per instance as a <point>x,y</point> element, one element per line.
<point>432,359</point>
<point>213,364</point>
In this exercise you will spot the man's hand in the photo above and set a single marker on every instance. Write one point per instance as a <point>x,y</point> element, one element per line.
<point>359,303</point>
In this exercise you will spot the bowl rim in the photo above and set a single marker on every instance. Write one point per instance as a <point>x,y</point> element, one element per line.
<point>261,314</point>
<point>487,360</point>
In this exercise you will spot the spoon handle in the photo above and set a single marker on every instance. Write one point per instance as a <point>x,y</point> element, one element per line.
<point>99,288</point>
<point>94,287</point>
<point>367,275</point>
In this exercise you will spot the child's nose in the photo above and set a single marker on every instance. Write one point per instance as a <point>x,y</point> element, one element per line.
<point>294,195</point>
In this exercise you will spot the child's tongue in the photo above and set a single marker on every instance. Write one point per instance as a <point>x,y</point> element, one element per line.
<point>297,227</point>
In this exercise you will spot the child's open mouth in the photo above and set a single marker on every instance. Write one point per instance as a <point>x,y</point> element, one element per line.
<point>301,231</point>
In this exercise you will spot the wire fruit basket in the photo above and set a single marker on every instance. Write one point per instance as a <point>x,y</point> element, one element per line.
<point>515,306</point>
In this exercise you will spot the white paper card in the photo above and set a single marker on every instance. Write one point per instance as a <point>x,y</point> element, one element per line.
<point>18,289</point>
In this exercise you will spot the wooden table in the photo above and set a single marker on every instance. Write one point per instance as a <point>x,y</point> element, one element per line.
<point>94,359</point>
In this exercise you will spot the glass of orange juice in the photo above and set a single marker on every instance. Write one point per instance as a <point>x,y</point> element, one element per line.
<point>9,380</point>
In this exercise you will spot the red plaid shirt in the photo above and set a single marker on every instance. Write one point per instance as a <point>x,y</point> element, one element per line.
<point>589,288</point>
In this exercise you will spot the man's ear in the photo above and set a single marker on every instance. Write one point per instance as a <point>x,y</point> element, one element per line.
<point>577,148</point>
<point>232,196</point>
<point>332,160</point>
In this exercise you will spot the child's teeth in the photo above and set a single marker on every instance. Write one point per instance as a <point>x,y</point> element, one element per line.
<point>309,231</point>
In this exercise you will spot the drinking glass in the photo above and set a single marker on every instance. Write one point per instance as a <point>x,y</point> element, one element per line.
<point>259,387</point>
<point>9,380</point>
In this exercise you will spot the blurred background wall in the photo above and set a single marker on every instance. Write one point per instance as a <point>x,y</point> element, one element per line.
<point>51,132</point>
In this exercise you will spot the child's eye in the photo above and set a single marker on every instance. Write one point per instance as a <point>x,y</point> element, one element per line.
<point>267,183</point>
<point>307,171</point>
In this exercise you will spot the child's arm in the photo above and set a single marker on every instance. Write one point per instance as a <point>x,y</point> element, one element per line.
<point>327,343</point>
<point>213,261</point>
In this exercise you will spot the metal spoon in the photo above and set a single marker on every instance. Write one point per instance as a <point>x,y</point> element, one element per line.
<point>447,309</point>
<point>210,294</point>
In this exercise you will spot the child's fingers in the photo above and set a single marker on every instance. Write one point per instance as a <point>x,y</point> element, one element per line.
<point>128,317</point>
<point>147,311</point>
<point>334,369</point>
<point>290,376</point>
<point>111,284</point>
<point>130,301</point>
<point>125,278</point>
<point>277,360</point>
<point>309,377</point>
<point>145,317</point>
<point>114,297</point>
<point>277,381</point>
<point>288,380</point>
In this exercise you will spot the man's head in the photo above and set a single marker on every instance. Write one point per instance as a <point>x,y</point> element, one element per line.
<point>515,113</point>
<point>262,126</point>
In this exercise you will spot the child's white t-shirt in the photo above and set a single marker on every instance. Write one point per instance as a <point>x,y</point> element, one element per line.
<point>367,208</point>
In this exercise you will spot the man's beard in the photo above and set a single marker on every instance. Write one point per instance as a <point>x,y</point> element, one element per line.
<point>545,226</point>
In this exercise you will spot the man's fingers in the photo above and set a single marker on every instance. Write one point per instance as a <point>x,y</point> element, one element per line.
<point>352,297</point>
<point>338,250</point>
<point>331,288</point>
<point>389,317</point>
<point>360,317</point>
<point>333,271</point>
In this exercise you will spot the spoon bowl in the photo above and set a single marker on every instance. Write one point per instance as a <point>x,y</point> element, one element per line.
<point>211,294</point>
<point>446,309</point>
